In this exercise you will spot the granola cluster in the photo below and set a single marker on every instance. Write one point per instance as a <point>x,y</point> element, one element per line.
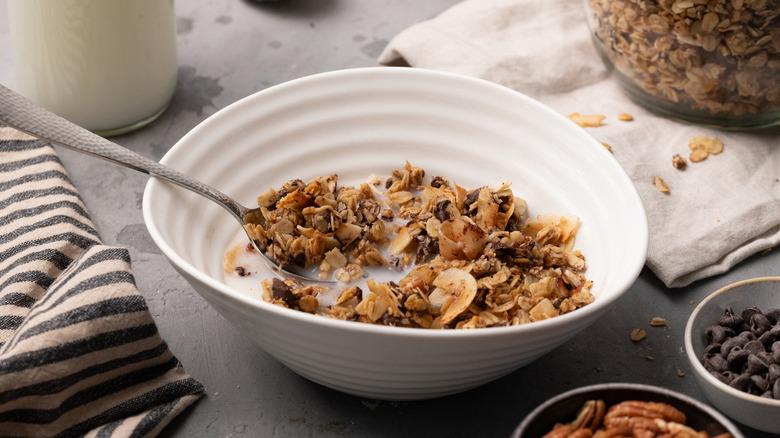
<point>630,418</point>
<point>473,258</point>
<point>721,57</point>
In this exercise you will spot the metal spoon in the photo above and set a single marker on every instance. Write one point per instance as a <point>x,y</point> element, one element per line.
<point>18,112</point>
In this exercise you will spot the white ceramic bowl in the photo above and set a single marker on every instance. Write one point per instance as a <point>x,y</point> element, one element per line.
<point>363,121</point>
<point>751,410</point>
<point>563,408</point>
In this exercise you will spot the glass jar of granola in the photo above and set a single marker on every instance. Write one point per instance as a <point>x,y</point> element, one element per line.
<point>707,62</point>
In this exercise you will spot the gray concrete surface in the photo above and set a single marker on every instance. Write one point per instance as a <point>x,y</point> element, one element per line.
<point>229,49</point>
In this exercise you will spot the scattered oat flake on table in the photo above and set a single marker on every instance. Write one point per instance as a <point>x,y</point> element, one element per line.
<point>660,184</point>
<point>679,162</point>
<point>701,147</point>
<point>609,148</point>
<point>698,142</point>
<point>587,121</point>
<point>638,334</point>
<point>657,321</point>
<point>680,373</point>
<point>625,117</point>
<point>699,154</point>
<point>715,146</point>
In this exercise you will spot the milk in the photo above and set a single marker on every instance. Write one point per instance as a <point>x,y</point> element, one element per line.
<point>107,65</point>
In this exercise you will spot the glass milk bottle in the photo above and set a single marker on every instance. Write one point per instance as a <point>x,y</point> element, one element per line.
<point>107,65</point>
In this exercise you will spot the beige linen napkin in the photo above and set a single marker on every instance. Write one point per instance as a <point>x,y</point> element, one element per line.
<point>718,212</point>
<point>79,352</point>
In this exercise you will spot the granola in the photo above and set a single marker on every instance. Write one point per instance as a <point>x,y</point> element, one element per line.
<point>721,57</point>
<point>474,258</point>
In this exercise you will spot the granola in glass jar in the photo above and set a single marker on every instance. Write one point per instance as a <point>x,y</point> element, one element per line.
<point>708,62</point>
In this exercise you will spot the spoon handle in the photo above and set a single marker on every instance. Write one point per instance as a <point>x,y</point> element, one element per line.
<point>26,116</point>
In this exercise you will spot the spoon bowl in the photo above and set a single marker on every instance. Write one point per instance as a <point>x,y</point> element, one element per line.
<point>20,113</point>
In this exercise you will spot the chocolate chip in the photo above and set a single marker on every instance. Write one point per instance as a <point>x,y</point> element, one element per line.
<point>754,347</point>
<point>746,334</point>
<point>759,324</point>
<point>774,372</point>
<point>713,349</point>
<point>471,198</point>
<point>749,312</point>
<point>426,247</point>
<point>725,377</point>
<point>281,291</point>
<point>741,382</point>
<point>773,315</point>
<point>737,358</point>
<point>323,221</point>
<point>717,333</point>
<point>730,319</point>
<point>766,357</point>
<point>390,320</point>
<point>755,365</point>
<point>770,336</point>
<point>513,224</point>
<point>442,212</point>
<point>438,182</point>
<point>731,343</point>
<point>716,363</point>
<point>760,382</point>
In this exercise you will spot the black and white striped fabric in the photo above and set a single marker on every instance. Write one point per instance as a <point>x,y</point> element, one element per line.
<point>79,352</point>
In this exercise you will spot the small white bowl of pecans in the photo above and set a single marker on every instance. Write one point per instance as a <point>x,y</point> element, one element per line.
<point>455,229</point>
<point>732,340</point>
<point>625,409</point>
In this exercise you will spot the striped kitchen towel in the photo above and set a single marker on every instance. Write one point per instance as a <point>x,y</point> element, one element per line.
<point>79,352</point>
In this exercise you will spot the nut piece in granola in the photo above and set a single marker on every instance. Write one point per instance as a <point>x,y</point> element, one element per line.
<point>679,162</point>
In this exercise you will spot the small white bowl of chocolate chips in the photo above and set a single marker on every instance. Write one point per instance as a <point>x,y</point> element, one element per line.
<point>732,340</point>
